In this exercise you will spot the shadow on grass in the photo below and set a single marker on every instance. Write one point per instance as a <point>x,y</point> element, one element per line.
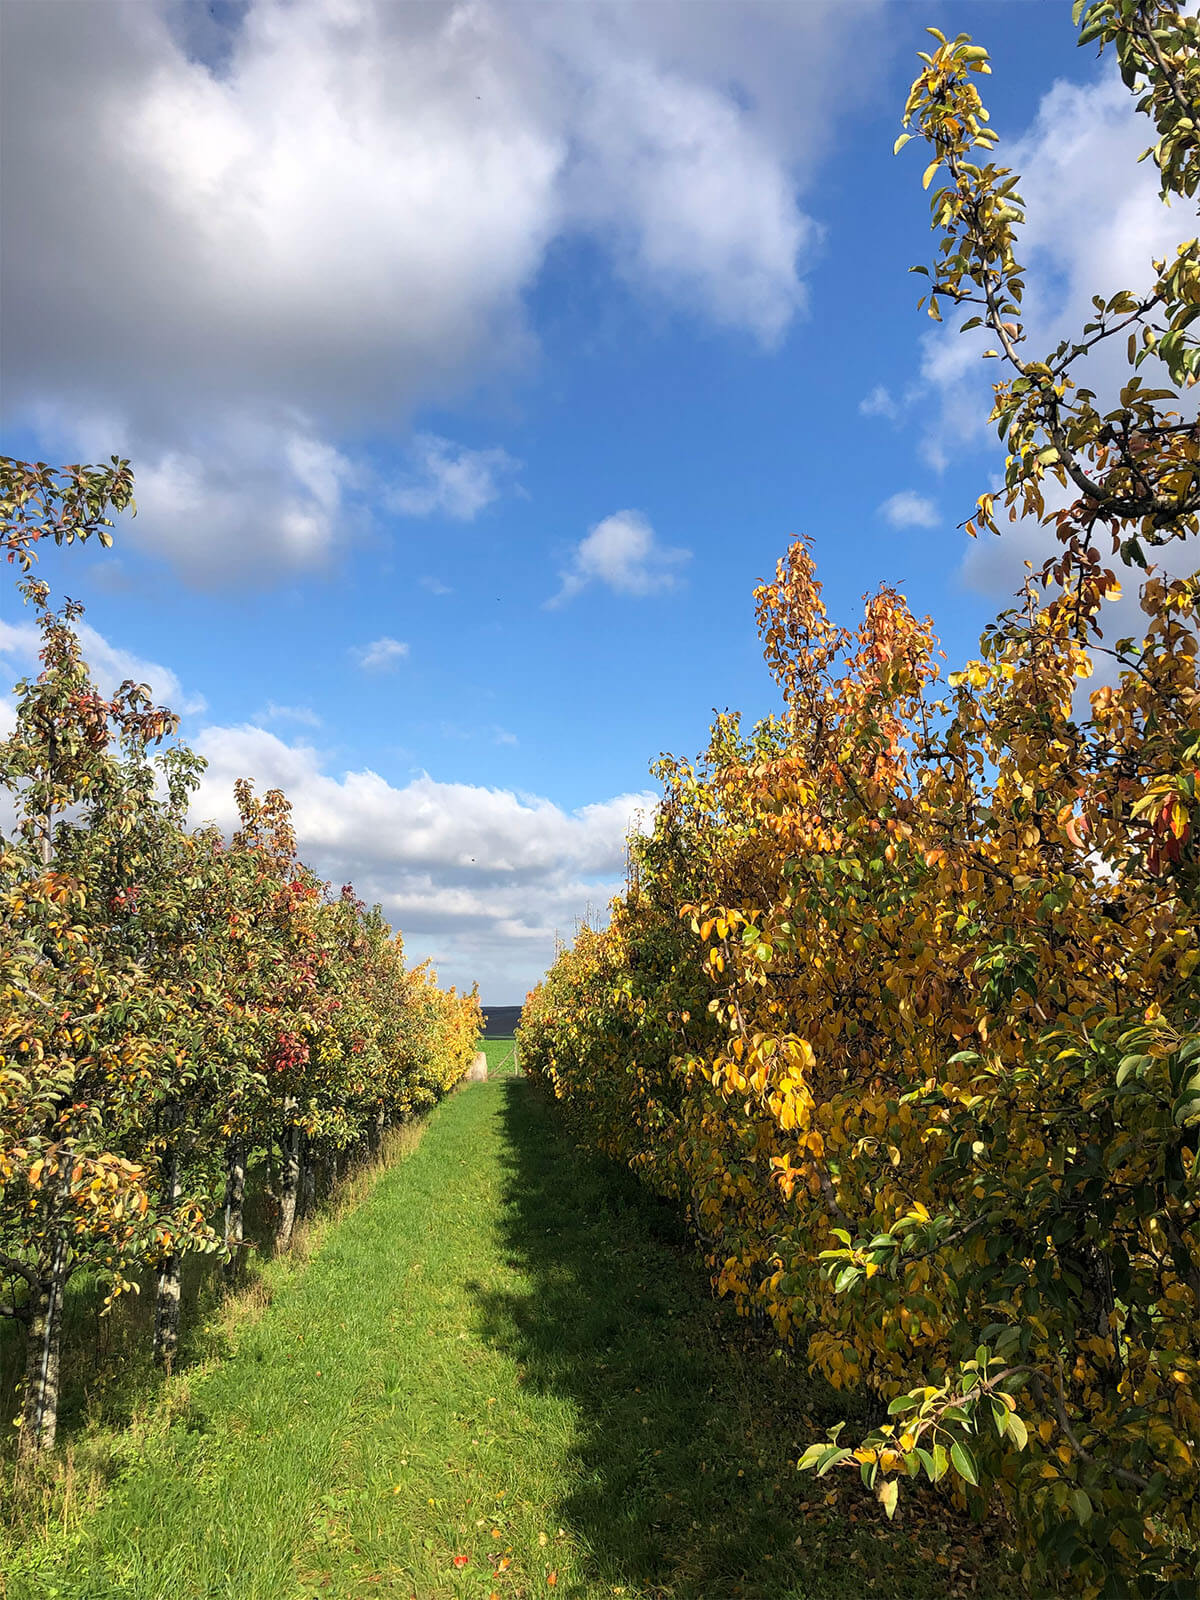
<point>686,1484</point>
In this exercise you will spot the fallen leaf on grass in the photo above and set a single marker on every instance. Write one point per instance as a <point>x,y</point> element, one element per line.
<point>460,1561</point>
<point>552,1578</point>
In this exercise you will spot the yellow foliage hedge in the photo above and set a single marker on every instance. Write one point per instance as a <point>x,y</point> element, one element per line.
<point>901,1000</point>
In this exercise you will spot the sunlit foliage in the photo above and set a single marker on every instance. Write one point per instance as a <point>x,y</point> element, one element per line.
<point>901,998</point>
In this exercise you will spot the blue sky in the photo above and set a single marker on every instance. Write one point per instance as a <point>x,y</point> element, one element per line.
<point>476,361</point>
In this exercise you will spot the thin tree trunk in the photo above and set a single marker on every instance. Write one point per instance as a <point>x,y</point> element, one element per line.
<point>235,1197</point>
<point>308,1179</point>
<point>289,1186</point>
<point>333,1170</point>
<point>39,1413</point>
<point>166,1306</point>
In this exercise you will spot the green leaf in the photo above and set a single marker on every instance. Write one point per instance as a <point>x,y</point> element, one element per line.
<point>964,1463</point>
<point>927,179</point>
<point>900,143</point>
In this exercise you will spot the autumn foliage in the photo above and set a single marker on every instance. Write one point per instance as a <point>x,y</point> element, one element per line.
<point>900,1000</point>
<point>176,1005</point>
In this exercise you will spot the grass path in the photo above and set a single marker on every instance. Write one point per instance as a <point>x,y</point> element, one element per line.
<point>500,1376</point>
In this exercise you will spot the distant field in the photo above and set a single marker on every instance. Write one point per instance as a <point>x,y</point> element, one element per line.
<point>500,1022</point>
<point>501,1055</point>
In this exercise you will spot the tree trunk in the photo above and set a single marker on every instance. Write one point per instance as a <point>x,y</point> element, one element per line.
<point>166,1306</point>
<point>289,1186</point>
<point>333,1170</point>
<point>308,1180</point>
<point>235,1195</point>
<point>39,1413</point>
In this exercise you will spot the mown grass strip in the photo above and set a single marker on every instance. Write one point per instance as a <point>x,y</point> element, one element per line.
<point>500,1375</point>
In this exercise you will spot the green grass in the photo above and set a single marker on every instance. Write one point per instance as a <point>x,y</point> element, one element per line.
<point>502,1055</point>
<point>506,1353</point>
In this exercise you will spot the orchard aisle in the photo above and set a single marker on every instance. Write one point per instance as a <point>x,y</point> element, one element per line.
<point>499,1376</point>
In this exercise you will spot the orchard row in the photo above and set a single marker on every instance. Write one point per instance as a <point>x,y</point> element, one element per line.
<point>901,998</point>
<point>175,1004</point>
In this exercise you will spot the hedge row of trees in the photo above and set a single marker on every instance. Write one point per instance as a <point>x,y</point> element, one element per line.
<point>901,999</point>
<point>173,1002</point>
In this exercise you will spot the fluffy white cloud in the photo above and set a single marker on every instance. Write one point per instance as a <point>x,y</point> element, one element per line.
<point>908,509</point>
<point>111,666</point>
<point>379,654</point>
<point>449,480</point>
<point>622,553</point>
<point>316,214</point>
<point>479,879</point>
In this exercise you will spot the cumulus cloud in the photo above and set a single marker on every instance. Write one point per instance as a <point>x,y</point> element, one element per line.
<point>380,654</point>
<point>111,666</point>
<point>449,480</point>
<point>622,553</point>
<point>908,509</point>
<point>310,216</point>
<point>477,878</point>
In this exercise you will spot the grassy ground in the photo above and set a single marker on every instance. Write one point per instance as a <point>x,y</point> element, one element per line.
<point>502,1056</point>
<point>499,1376</point>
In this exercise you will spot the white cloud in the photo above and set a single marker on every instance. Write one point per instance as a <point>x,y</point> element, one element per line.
<point>908,509</point>
<point>231,244</point>
<point>379,654</point>
<point>302,714</point>
<point>111,666</point>
<point>436,586</point>
<point>249,496</point>
<point>450,480</point>
<point>698,207</point>
<point>622,553</point>
<point>879,403</point>
<point>477,878</point>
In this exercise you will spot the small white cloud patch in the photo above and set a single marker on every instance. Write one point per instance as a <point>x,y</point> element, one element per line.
<point>379,654</point>
<point>879,403</point>
<point>622,553</point>
<point>275,713</point>
<point>449,480</point>
<point>908,509</point>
